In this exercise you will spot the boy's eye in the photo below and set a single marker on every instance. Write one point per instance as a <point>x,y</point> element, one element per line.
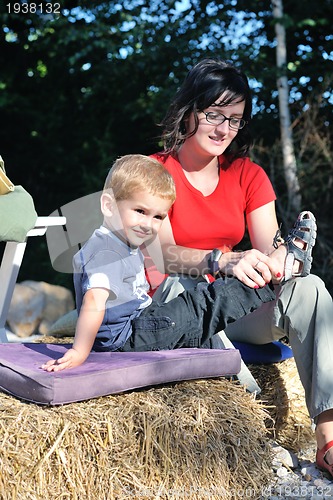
<point>139,210</point>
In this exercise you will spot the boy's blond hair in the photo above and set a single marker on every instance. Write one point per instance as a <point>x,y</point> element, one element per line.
<point>135,172</point>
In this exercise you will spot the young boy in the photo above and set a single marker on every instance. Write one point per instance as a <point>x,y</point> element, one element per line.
<point>115,310</point>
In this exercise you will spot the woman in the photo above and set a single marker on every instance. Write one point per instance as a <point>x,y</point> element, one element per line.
<point>219,191</point>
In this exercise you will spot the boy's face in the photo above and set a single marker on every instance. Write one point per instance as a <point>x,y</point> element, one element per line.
<point>139,218</point>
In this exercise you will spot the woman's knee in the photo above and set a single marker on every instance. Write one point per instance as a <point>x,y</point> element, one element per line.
<point>302,297</point>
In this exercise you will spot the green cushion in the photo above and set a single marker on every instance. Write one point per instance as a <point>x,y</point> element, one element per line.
<point>64,326</point>
<point>17,215</point>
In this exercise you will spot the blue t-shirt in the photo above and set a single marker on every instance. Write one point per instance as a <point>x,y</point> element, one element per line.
<point>107,262</point>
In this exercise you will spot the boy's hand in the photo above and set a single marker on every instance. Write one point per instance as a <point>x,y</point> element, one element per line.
<point>71,359</point>
<point>90,319</point>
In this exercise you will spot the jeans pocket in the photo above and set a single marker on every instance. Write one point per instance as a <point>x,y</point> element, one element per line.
<point>153,324</point>
<point>153,334</point>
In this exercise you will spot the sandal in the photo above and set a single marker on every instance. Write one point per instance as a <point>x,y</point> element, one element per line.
<point>305,231</point>
<point>321,462</point>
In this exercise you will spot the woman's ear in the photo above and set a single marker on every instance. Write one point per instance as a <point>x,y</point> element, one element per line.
<point>107,204</point>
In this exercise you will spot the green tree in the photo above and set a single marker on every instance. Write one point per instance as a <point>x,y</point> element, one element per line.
<point>81,88</point>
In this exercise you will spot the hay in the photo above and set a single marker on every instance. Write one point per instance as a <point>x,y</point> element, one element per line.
<point>198,439</point>
<point>283,394</point>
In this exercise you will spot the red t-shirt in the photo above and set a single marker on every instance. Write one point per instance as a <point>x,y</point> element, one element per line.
<point>217,220</point>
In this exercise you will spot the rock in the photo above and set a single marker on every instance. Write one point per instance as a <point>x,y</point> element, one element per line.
<point>284,457</point>
<point>304,482</point>
<point>282,472</point>
<point>35,306</point>
<point>25,311</point>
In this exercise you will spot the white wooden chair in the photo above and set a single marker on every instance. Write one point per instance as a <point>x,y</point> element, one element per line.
<point>11,263</point>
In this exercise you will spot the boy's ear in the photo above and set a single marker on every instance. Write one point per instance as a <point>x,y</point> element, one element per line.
<point>107,204</point>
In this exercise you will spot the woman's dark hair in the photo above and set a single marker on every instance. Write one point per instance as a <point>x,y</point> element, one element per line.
<point>202,87</point>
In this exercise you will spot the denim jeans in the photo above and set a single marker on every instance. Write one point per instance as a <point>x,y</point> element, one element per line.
<point>194,317</point>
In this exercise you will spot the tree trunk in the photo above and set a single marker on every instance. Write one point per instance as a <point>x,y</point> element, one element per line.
<point>289,159</point>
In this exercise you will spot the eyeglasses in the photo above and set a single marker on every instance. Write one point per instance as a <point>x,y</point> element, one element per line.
<point>218,118</point>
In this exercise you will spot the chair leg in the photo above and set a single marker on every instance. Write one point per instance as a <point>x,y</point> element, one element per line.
<point>10,266</point>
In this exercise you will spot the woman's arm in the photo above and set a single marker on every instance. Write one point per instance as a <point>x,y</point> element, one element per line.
<point>262,226</point>
<point>88,324</point>
<point>269,261</point>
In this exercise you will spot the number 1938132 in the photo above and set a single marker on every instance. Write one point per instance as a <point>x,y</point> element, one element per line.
<point>33,8</point>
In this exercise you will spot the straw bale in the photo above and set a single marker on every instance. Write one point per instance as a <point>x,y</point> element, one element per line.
<point>197,439</point>
<point>283,395</point>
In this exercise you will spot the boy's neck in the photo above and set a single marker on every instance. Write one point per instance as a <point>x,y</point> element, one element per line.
<point>115,234</point>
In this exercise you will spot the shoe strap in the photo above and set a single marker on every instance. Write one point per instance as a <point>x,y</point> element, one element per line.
<point>327,447</point>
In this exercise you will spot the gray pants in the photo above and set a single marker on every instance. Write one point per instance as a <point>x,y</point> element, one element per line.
<point>303,311</point>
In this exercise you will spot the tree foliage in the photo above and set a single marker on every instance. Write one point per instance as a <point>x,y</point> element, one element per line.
<point>81,88</point>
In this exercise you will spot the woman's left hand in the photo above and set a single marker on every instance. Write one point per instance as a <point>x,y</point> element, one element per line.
<point>252,267</point>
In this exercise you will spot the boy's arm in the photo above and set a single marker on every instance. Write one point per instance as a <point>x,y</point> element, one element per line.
<point>88,323</point>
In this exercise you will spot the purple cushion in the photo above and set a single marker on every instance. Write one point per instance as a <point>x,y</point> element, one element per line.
<point>104,372</point>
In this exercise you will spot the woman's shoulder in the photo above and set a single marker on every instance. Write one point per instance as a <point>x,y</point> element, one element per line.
<point>160,156</point>
<point>239,164</point>
<point>244,168</point>
<point>170,162</point>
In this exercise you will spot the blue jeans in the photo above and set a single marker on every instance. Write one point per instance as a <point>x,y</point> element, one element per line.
<point>194,317</point>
